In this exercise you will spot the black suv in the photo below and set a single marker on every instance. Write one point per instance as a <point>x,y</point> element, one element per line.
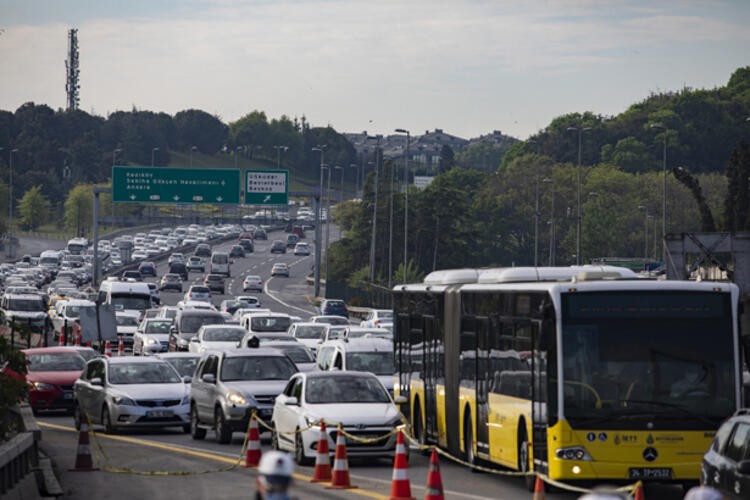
<point>726,464</point>
<point>278,246</point>
<point>202,250</point>
<point>247,244</point>
<point>214,282</point>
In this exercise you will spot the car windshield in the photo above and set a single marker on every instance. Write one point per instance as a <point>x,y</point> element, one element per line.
<point>336,333</point>
<point>158,326</point>
<point>332,390</point>
<point>379,363</point>
<point>73,311</point>
<point>184,366</point>
<point>143,373</point>
<point>257,368</point>
<point>223,334</point>
<point>199,289</point>
<point>297,353</point>
<point>28,305</point>
<point>191,324</point>
<point>126,320</point>
<point>309,332</point>
<point>133,302</point>
<point>270,324</point>
<point>55,362</point>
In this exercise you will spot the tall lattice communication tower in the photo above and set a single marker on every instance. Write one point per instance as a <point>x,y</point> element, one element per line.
<point>71,69</point>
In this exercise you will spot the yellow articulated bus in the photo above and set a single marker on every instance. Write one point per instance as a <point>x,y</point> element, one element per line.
<point>582,373</point>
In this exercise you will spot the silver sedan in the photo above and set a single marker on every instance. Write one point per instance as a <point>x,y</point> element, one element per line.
<point>126,392</point>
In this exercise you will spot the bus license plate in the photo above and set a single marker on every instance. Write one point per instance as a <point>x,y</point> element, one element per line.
<point>650,473</point>
<point>159,414</point>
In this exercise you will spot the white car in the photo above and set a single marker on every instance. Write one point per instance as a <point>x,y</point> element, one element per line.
<point>216,337</point>
<point>152,336</point>
<point>252,283</point>
<point>127,323</point>
<point>308,333</point>
<point>357,400</point>
<point>302,248</point>
<point>378,318</point>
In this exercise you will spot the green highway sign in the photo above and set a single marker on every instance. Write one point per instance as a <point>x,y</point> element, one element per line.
<point>175,185</point>
<point>266,187</point>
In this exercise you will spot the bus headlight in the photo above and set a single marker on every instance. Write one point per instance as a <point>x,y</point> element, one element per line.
<point>573,453</point>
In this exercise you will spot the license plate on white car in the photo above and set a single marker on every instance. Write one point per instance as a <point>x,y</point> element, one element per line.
<point>159,414</point>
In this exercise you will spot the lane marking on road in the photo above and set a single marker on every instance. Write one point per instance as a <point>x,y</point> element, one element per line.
<point>272,296</point>
<point>201,454</point>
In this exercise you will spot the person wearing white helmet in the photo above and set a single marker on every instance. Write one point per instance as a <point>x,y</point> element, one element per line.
<point>274,476</point>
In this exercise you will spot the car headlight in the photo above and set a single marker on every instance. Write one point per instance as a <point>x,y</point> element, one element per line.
<point>151,341</point>
<point>312,420</point>
<point>41,386</point>
<point>185,400</point>
<point>123,401</point>
<point>573,453</point>
<point>395,421</point>
<point>236,398</point>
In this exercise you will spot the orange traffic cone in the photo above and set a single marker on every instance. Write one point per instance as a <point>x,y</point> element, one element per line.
<point>61,340</point>
<point>322,472</point>
<point>83,454</point>
<point>252,457</point>
<point>108,349</point>
<point>120,346</point>
<point>434,488</point>
<point>638,493</point>
<point>400,486</point>
<point>340,476</point>
<point>539,488</point>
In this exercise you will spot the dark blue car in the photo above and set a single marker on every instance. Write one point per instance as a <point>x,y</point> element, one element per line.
<point>333,307</point>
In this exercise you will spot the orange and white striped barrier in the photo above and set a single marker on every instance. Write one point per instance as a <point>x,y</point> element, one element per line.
<point>252,456</point>
<point>340,476</point>
<point>120,346</point>
<point>83,453</point>
<point>400,486</point>
<point>322,472</point>
<point>434,487</point>
<point>108,349</point>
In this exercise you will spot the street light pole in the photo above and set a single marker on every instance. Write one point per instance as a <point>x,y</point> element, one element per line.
<point>328,221</point>
<point>192,150</point>
<point>551,256</point>
<point>578,215</point>
<point>153,151</point>
<point>278,155</point>
<point>316,271</point>
<point>10,202</point>
<point>645,230</point>
<point>406,200</point>
<point>341,200</point>
<point>356,180</point>
<point>664,191</point>
<point>375,210</point>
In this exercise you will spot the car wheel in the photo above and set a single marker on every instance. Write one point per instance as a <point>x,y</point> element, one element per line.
<point>77,416</point>
<point>107,421</point>
<point>187,428</point>
<point>196,431</point>
<point>223,433</point>
<point>419,433</point>
<point>299,449</point>
<point>471,458</point>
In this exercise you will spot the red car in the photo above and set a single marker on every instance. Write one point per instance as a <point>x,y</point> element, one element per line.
<point>52,371</point>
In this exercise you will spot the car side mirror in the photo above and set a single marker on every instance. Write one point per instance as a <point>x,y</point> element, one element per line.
<point>97,381</point>
<point>195,339</point>
<point>187,379</point>
<point>209,378</point>
<point>744,467</point>
<point>172,329</point>
<point>291,401</point>
<point>400,400</point>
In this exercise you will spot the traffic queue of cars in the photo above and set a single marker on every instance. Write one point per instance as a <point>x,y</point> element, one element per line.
<point>200,369</point>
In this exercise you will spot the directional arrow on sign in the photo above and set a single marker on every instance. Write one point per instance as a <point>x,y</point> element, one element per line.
<point>176,198</point>
<point>267,198</point>
<point>219,199</point>
<point>223,183</point>
<point>133,197</point>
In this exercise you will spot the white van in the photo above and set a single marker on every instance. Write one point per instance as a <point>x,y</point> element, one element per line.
<point>220,263</point>
<point>360,354</point>
<point>125,295</point>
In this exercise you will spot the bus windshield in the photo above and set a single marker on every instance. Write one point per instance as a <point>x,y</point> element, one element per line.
<point>666,357</point>
<point>130,301</point>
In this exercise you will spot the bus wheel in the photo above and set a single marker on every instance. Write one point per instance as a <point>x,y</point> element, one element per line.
<point>419,432</point>
<point>523,460</point>
<point>471,457</point>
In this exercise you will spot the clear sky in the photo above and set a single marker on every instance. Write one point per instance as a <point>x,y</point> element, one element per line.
<point>466,66</point>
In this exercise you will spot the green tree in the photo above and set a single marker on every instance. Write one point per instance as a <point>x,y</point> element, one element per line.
<point>194,127</point>
<point>34,208</point>
<point>79,208</point>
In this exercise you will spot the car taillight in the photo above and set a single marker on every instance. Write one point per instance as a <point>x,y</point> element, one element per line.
<point>376,322</point>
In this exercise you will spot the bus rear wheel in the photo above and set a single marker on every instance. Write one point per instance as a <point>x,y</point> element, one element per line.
<point>471,456</point>
<point>523,460</point>
<point>419,432</point>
